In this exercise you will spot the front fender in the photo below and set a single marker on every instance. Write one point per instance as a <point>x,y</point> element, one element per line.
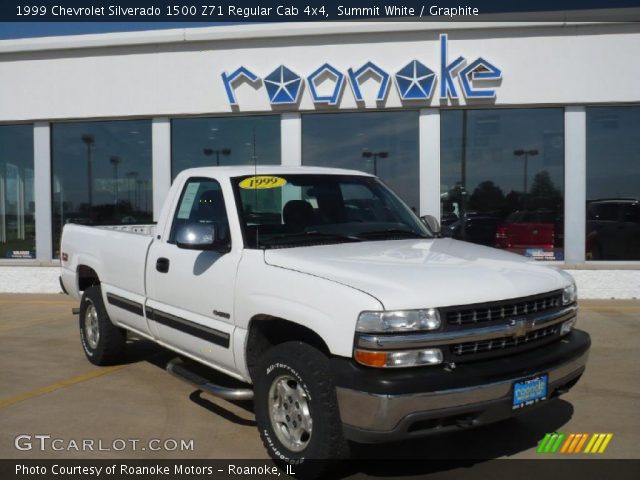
<point>328,308</point>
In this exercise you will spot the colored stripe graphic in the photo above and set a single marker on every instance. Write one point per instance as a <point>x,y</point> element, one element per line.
<point>591,442</point>
<point>606,441</point>
<point>543,443</point>
<point>556,445</point>
<point>567,443</point>
<point>596,446</point>
<point>574,443</point>
<point>547,448</point>
<point>550,443</point>
<point>582,442</point>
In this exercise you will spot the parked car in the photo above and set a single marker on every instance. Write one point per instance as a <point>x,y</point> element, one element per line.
<point>533,233</point>
<point>345,319</point>
<point>478,229</point>
<point>613,229</point>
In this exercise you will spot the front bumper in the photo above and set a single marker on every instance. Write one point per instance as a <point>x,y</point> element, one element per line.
<point>380,405</point>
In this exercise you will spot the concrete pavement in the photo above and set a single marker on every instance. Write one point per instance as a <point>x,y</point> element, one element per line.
<point>48,387</point>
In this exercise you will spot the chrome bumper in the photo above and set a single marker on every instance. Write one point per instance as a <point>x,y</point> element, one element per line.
<point>384,413</point>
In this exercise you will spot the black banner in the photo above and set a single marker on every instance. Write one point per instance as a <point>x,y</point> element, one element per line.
<point>583,469</point>
<point>310,10</point>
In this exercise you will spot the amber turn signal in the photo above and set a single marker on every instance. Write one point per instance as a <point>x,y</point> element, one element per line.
<point>371,359</point>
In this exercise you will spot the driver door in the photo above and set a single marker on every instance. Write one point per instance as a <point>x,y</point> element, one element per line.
<point>190,293</point>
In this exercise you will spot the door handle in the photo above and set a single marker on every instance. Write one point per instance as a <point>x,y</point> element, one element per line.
<point>162,265</point>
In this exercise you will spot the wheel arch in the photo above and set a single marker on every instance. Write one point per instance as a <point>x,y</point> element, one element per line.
<point>266,331</point>
<point>86,277</point>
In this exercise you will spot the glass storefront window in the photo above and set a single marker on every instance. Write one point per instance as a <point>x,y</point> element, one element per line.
<point>211,141</point>
<point>502,179</point>
<point>101,174</point>
<point>17,205</point>
<point>613,183</point>
<point>382,143</point>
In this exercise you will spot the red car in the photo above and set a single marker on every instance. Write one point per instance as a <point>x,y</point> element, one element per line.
<point>537,234</point>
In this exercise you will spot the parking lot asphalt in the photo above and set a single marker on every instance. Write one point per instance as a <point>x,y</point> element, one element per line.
<point>47,387</point>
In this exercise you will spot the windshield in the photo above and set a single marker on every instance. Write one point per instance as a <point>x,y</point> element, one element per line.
<point>281,211</point>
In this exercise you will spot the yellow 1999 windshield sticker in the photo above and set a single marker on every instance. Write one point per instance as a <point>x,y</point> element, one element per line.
<point>262,181</point>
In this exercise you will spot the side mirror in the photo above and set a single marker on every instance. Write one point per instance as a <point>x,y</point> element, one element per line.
<point>200,236</point>
<point>432,224</point>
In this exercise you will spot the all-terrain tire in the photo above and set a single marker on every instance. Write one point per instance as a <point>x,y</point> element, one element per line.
<point>103,342</point>
<point>305,371</point>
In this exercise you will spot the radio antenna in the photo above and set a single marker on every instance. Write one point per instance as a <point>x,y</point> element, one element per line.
<point>255,157</point>
<point>255,174</point>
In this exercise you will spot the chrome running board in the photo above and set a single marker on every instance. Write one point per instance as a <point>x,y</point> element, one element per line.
<point>177,368</point>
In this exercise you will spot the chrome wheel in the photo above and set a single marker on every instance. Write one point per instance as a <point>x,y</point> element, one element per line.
<point>289,413</point>
<point>91,327</point>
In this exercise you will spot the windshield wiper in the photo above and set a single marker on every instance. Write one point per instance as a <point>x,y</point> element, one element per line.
<point>391,232</point>
<point>308,236</point>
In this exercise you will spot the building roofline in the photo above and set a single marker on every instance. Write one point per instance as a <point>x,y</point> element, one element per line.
<point>262,31</point>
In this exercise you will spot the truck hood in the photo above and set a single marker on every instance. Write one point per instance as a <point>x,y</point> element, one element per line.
<point>404,274</point>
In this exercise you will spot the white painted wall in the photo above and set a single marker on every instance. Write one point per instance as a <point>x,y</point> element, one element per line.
<point>607,284</point>
<point>29,280</point>
<point>541,65</point>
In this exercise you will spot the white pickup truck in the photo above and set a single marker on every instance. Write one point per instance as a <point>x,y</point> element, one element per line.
<point>345,315</point>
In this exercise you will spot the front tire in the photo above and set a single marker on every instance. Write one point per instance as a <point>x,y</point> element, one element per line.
<point>296,407</point>
<point>103,343</point>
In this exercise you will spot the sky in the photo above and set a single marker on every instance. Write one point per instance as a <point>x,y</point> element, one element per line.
<point>47,29</point>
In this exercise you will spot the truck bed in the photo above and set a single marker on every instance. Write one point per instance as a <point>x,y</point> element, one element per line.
<point>118,252</point>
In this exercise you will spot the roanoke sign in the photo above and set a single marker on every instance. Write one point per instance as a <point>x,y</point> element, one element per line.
<point>415,81</point>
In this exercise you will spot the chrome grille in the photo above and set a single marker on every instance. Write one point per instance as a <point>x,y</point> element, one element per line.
<point>495,311</point>
<point>497,344</point>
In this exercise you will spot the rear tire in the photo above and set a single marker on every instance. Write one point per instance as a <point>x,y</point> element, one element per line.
<point>297,409</point>
<point>103,343</point>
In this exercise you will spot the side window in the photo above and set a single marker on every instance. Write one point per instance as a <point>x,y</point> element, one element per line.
<point>201,202</point>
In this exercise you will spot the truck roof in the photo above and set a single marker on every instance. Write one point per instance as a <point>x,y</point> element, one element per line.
<point>241,170</point>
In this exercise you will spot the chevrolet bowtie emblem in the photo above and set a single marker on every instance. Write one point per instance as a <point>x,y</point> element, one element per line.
<point>520,327</point>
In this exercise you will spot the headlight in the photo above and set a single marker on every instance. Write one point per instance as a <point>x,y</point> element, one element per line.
<point>567,326</point>
<point>398,359</point>
<point>569,294</point>
<point>399,321</point>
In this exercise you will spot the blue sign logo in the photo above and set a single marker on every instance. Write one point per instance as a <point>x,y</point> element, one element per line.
<point>478,71</point>
<point>447,87</point>
<point>415,81</point>
<point>325,72</point>
<point>283,86</point>
<point>369,68</point>
<point>230,80</point>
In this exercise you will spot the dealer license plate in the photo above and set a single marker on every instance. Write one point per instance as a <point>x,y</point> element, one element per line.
<point>528,392</point>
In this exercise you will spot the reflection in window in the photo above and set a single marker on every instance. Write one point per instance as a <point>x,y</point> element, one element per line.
<point>201,203</point>
<point>382,143</point>
<point>205,142</point>
<point>309,208</point>
<point>613,183</point>
<point>17,221</point>
<point>101,174</point>
<point>502,179</point>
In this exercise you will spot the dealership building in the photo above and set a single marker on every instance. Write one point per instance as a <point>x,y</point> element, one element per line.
<point>523,136</point>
